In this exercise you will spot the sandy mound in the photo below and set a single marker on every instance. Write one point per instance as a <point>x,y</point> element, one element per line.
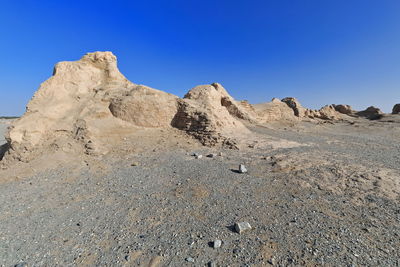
<point>276,110</point>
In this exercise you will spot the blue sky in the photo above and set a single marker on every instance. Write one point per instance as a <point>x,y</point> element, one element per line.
<point>321,52</point>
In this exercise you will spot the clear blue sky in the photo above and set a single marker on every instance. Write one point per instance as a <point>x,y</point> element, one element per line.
<point>320,51</point>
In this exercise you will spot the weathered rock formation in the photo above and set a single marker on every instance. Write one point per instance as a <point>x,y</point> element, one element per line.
<point>144,106</point>
<point>327,112</point>
<point>90,104</point>
<point>371,113</point>
<point>276,110</point>
<point>344,109</point>
<point>396,109</point>
<point>210,114</point>
<point>294,104</point>
<point>74,102</point>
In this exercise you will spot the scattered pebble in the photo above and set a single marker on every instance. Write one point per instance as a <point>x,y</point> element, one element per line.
<point>21,264</point>
<point>135,164</point>
<point>212,155</point>
<point>242,168</point>
<point>272,261</point>
<point>198,156</point>
<point>212,264</point>
<point>242,227</point>
<point>217,243</point>
<point>189,259</point>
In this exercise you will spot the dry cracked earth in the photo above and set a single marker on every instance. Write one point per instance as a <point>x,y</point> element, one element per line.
<point>332,200</point>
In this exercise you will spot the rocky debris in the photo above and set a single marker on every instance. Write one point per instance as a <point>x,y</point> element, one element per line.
<point>242,168</point>
<point>212,155</point>
<point>371,113</point>
<point>396,109</point>
<point>197,155</point>
<point>211,264</point>
<point>134,164</point>
<point>344,109</point>
<point>242,227</point>
<point>217,243</point>
<point>21,264</point>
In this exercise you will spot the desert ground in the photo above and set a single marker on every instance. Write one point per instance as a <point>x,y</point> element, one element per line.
<point>100,171</point>
<point>327,196</point>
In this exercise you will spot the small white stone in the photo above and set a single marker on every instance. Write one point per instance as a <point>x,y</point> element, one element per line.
<point>242,168</point>
<point>189,259</point>
<point>198,156</point>
<point>242,226</point>
<point>217,243</point>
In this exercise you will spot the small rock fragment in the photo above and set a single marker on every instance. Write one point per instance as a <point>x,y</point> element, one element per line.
<point>242,168</point>
<point>21,264</point>
<point>212,155</point>
<point>220,154</point>
<point>242,226</point>
<point>217,243</point>
<point>212,264</point>
<point>135,164</point>
<point>198,156</point>
<point>189,259</point>
<point>272,261</point>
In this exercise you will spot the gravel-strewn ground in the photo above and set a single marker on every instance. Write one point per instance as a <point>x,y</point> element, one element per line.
<point>330,203</point>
